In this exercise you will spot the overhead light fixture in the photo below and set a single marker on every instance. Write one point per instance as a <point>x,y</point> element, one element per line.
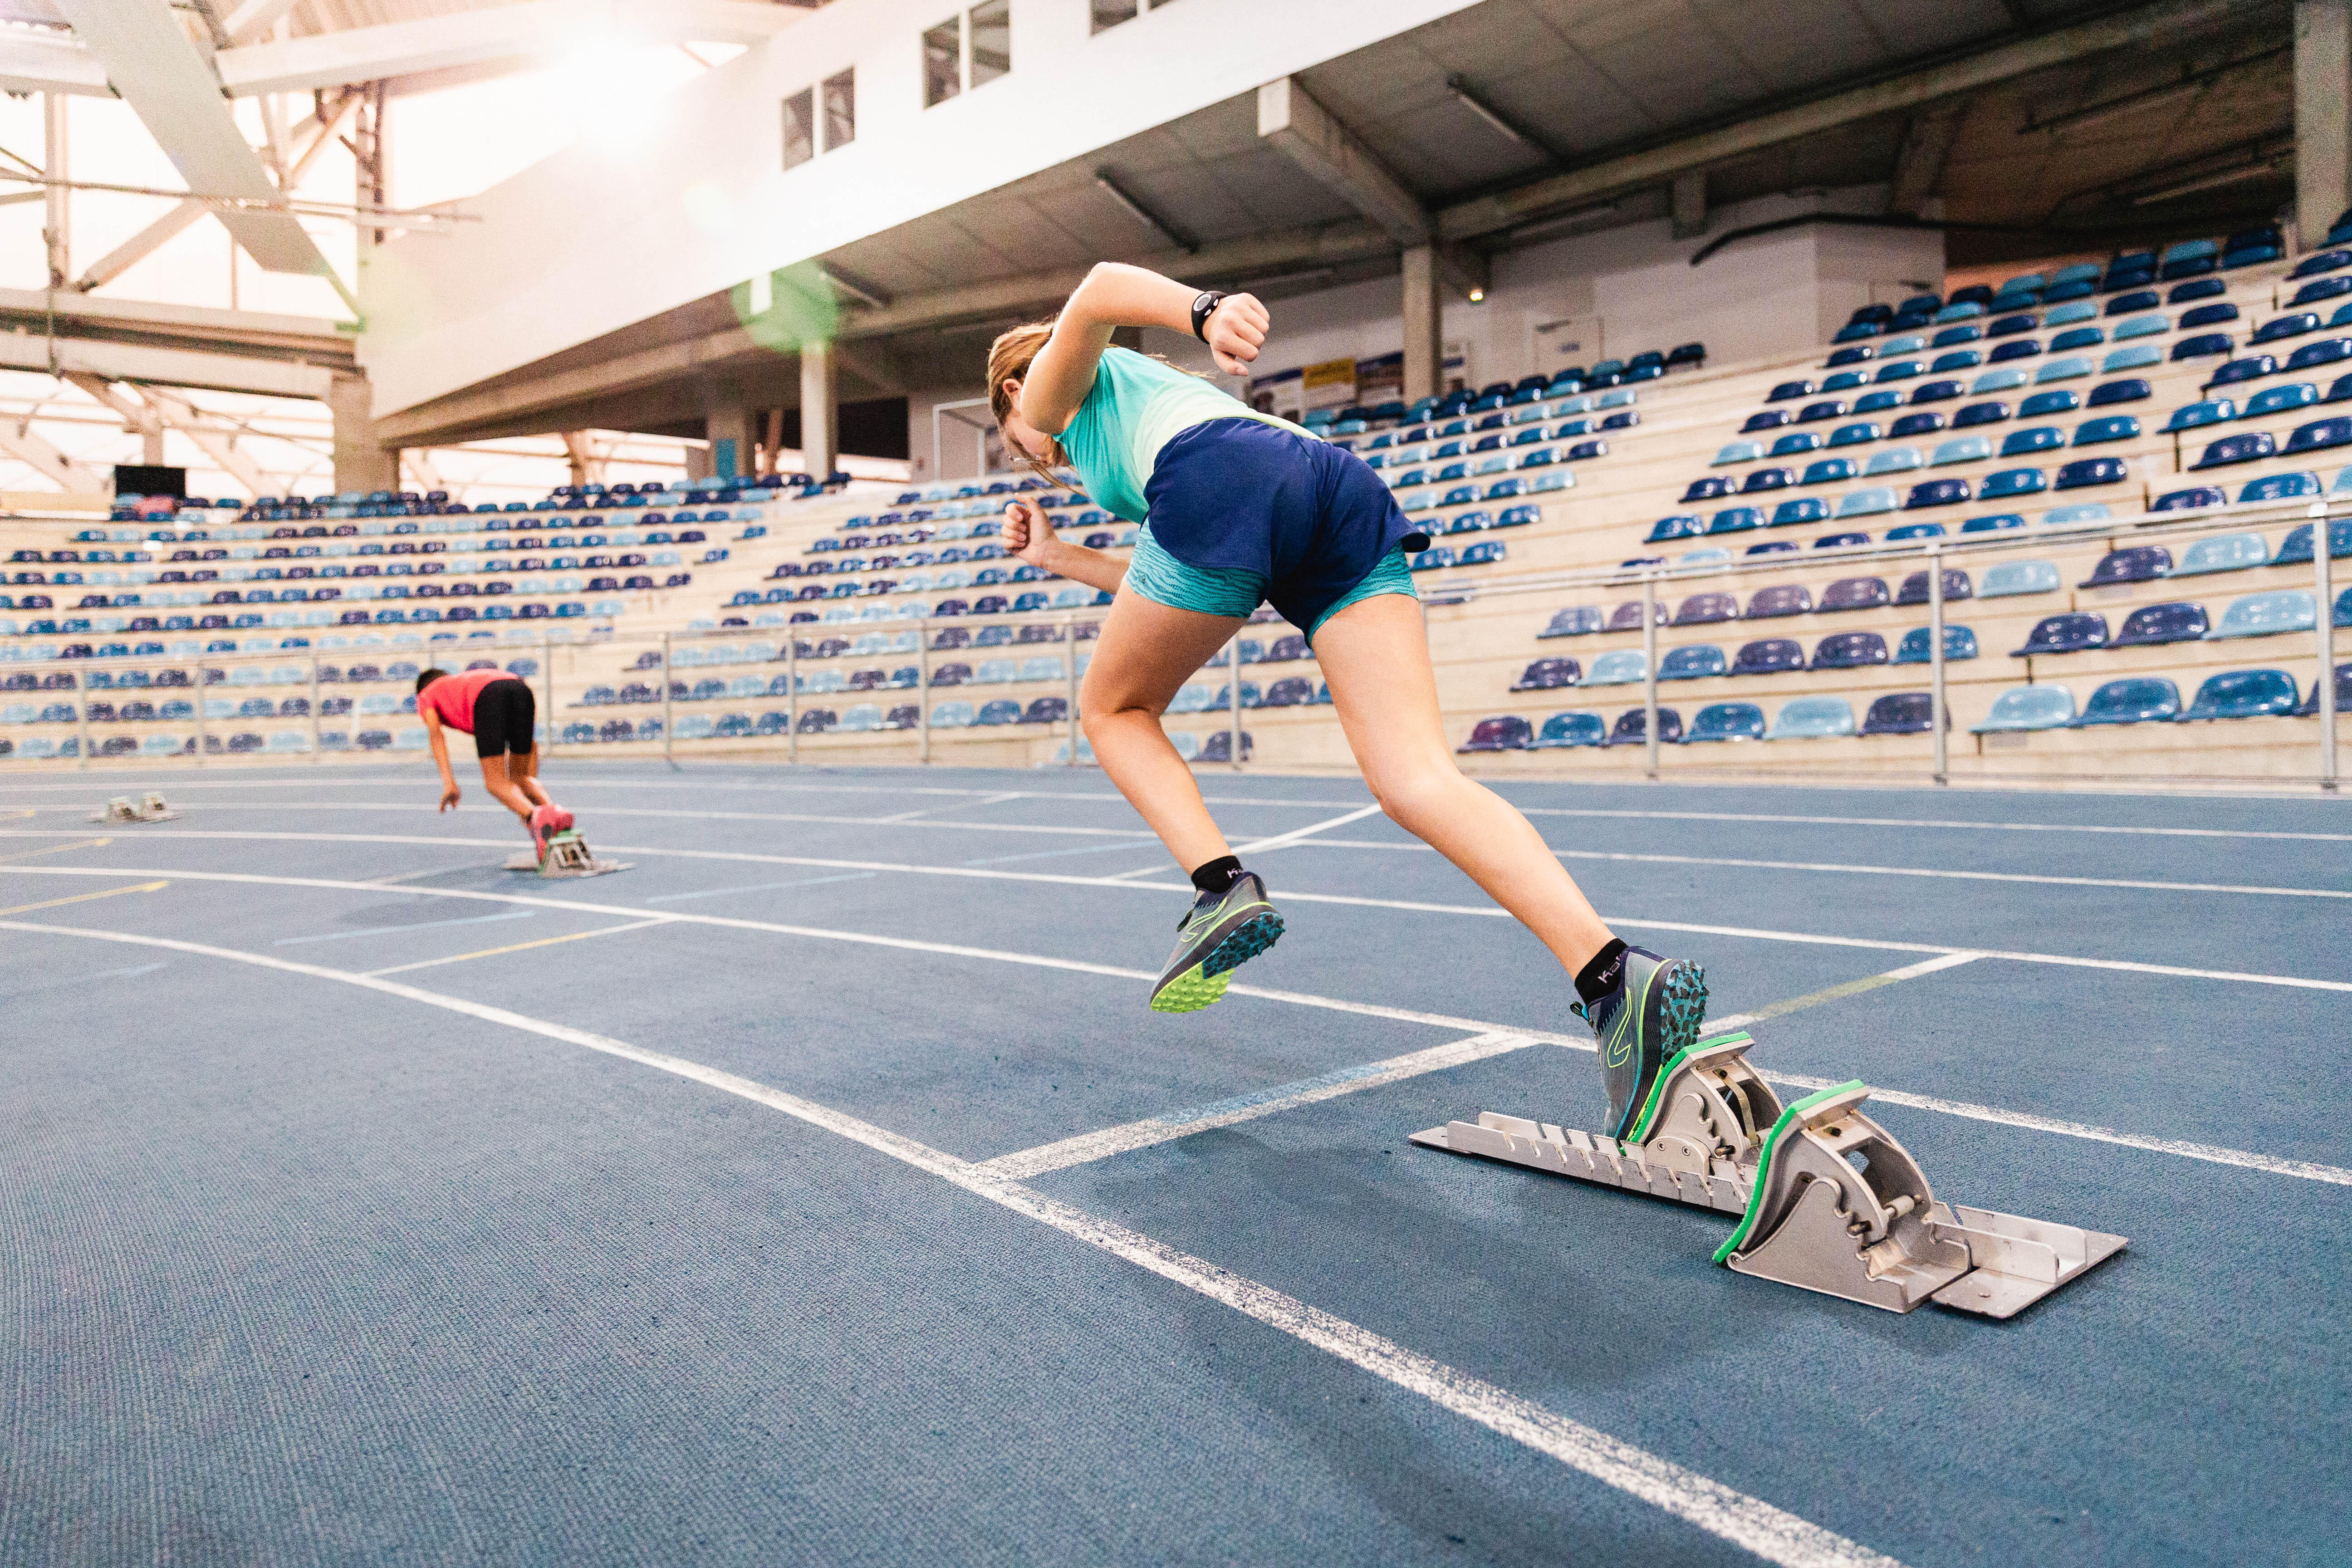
<point>1144,215</point>
<point>1460,89</point>
<point>1477,295</point>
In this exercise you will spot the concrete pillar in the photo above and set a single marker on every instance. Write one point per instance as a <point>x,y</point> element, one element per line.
<point>361,463</point>
<point>1424,325</point>
<point>57,226</point>
<point>2323,102</point>
<point>697,461</point>
<point>1690,204</point>
<point>727,426</point>
<point>819,411</point>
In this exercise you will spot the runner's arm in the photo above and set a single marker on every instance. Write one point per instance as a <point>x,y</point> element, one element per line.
<point>440,744</point>
<point>1118,295</point>
<point>1028,535</point>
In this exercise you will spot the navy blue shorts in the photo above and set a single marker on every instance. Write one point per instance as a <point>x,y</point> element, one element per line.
<point>1243,495</point>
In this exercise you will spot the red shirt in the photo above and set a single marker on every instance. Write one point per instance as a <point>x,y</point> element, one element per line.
<point>451,698</point>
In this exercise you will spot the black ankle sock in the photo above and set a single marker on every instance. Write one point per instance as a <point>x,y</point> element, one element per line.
<point>1218,875</point>
<point>1601,976</point>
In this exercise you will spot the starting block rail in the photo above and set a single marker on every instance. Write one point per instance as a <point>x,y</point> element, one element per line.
<point>1827,1199</point>
<point>568,855</point>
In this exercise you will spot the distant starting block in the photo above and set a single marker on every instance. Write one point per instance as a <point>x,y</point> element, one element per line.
<point>146,808</point>
<point>568,855</point>
<point>1828,1200</point>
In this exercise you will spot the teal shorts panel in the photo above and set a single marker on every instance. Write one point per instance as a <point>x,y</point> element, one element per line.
<point>1210,590</point>
<point>1392,574</point>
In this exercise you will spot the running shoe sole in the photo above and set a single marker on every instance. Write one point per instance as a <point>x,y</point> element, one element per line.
<point>1204,985</point>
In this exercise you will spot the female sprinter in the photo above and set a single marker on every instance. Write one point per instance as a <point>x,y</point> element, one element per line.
<point>495,709</point>
<point>1239,507</point>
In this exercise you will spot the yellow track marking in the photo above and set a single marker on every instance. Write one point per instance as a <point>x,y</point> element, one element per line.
<point>85,898</point>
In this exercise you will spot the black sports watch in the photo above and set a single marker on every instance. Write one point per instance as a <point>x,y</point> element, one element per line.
<point>1204,307</point>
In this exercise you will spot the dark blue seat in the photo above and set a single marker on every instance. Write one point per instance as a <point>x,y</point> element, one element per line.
<point>1713,488</point>
<point>1840,541</point>
<point>2205,345</point>
<point>2135,563</point>
<point>1789,390</point>
<point>1549,675</point>
<point>1694,663</point>
<point>2152,625</point>
<point>2133,700</point>
<point>1912,425</point>
<point>2251,446</point>
<point>1979,414</point>
<point>1726,721</point>
<point>1828,471</point>
<point>2327,351</point>
<point>1959,642</point>
<point>1940,391</point>
<point>1627,617</point>
<point>2278,487</point>
<point>2113,427</point>
<point>1683,525</point>
<point>1903,713</point>
<point>2204,315</point>
<point>2134,302</point>
<point>1504,733</point>
<point>2085,472</point>
<point>2322,262</point>
<point>2242,694</point>
<point>2189,499</point>
<point>2009,326</point>
<point>1956,586</point>
<point>1804,508</point>
<point>2025,443</point>
<point>2319,291</point>
<point>2296,325</point>
<point>1812,413</point>
<point>1936,492</point>
<point>1782,599</point>
<point>2254,367</point>
<point>1848,650</point>
<point>1704,609</point>
<point>1768,480</point>
<point>1735,520</point>
<point>2015,349</point>
<point>2069,632</point>
<point>1771,655</point>
<point>1795,443</point>
<point>1854,594</point>
<point>2295,549</point>
<point>1577,620</point>
<point>1632,728</point>
<point>2310,708</point>
<point>2320,434</point>
<point>2131,389</point>
<point>2043,405</point>
<point>1765,419</point>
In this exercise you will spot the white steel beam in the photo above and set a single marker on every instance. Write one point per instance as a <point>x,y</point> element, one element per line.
<point>171,367</point>
<point>536,31</point>
<point>165,78</point>
<point>16,438</point>
<point>1303,131</point>
<point>45,62</point>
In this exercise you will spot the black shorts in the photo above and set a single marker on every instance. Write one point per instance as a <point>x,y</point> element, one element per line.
<point>504,715</point>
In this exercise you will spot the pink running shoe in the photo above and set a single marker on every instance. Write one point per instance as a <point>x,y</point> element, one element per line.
<point>546,822</point>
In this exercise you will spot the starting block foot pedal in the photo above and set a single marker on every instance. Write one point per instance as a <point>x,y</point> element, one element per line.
<point>122,809</point>
<point>1828,1200</point>
<point>568,855</point>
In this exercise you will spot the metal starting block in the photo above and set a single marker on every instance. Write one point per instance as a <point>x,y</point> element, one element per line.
<point>1828,1200</point>
<point>146,808</point>
<point>568,855</point>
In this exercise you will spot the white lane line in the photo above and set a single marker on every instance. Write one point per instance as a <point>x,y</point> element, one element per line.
<point>1841,992</point>
<point>1136,834</point>
<point>1089,1147</point>
<point>762,887</point>
<point>1330,1003</point>
<point>1959,824</point>
<point>2271,1163</point>
<point>523,946</point>
<point>1489,911</point>
<point>1278,841</point>
<point>421,925</point>
<point>1770,1533</point>
<point>126,972</point>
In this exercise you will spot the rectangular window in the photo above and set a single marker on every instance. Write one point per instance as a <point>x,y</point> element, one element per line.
<point>800,127</point>
<point>1111,13</point>
<point>841,109</point>
<point>942,62</point>
<point>992,41</point>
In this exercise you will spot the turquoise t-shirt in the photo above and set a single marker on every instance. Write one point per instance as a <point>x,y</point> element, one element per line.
<point>1137,403</point>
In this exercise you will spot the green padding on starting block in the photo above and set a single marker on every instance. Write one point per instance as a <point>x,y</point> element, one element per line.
<point>1789,1118</point>
<point>1657,1100</point>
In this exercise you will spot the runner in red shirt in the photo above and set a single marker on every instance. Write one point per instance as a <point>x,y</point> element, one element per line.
<point>497,710</point>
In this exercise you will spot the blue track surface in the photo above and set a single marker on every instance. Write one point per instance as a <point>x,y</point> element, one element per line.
<point>295,1269</point>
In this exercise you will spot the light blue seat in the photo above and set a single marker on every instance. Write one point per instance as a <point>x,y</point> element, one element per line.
<point>1867,503</point>
<point>2043,707</point>
<point>1193,698</point>
<point>2007,379</point>
<point>2142,327</point>
<point>1737,452</point>
<point>289,741</point>
<point>2072,516</point>
<point>1702,557</point>
<point>2224,552</point>
<point>1047,667</point>
<point>2136,357</point>
<point>2266,615</point>
<point>1812,718</point>
<point>1894,460</point>
<point>861,716</point>
<point>2279,487</point>
<point>1619,666</point>
<point>410,739</point>
<point>1961,449</point>
<point>2010,578</point>
<point>2068,313</point>
<point>2066,369</point>
<point>959,715</point>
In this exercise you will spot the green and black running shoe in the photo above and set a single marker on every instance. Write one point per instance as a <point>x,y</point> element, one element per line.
<point>1655,1012</point>
<point>1221,933</point>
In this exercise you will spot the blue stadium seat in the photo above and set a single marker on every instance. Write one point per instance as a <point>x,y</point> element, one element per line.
<point>1812,718</point>
<point>1548,674</point>
<point>1914,531</point>
<point>2205,345</point>
<point>2319,435</point>
<point>2310,708</point>
<point>2133,389</point>
<point>1828,471</point>
<point>2133,700</point>
<point>1564,730</point>
<point>1632,728</point>
<point>1577,620</point>
<point>2153,625</point>
<point>2010,578</point>
<point>1680,526</point>
<point>2086,472</point>
<point>1902,713</point>
<point>1914,591</point>
<point>1961,449</point>
<point>1868,502</point>
<point>1782,599</point>
<point>2113,427</point>
<point>1976,414</point>
<point>1806,509</point>
<point>2267,614</point>
<point>1737,452</point>
<point>2295,325</point>
<point>2248,447</point>
<point>2066,368</point>
<point>2194,499</point>
<point>1848,650</point>
<point>1814,413</point>
<point>2012,482</point>
<point>2282,399</point>
<point>1796,443</point>
<point>2212,411</point>
<point>1619,666</point>
<point>1705,609</point>
<point>1914,425</point>
<point>2069,632</point>
<point>2027,442</point>
<point>2254,367</point>
<point>1726,721</point>
<point>1692,663</point>
<point>1770,656</point>
<point>1856,593</point>
<point>1735,520</point>
<point>2135,563</point>
<point>2326,352</point>
<point>1768,480</point>
<point>2037,706</point>
<point>1894,460</point>
<point>2278,487</point>
<point>1936,492</point>
<point>1504,733</point>
<point>2242,694</point>
<point>2295,549</point>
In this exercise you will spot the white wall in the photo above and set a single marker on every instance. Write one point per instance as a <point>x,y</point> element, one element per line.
<point>677,205</point>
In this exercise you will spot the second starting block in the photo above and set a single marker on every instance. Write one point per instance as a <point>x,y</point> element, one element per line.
<point>568,855</point>
<point>1827,1199</point>
<point>124,809</point>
